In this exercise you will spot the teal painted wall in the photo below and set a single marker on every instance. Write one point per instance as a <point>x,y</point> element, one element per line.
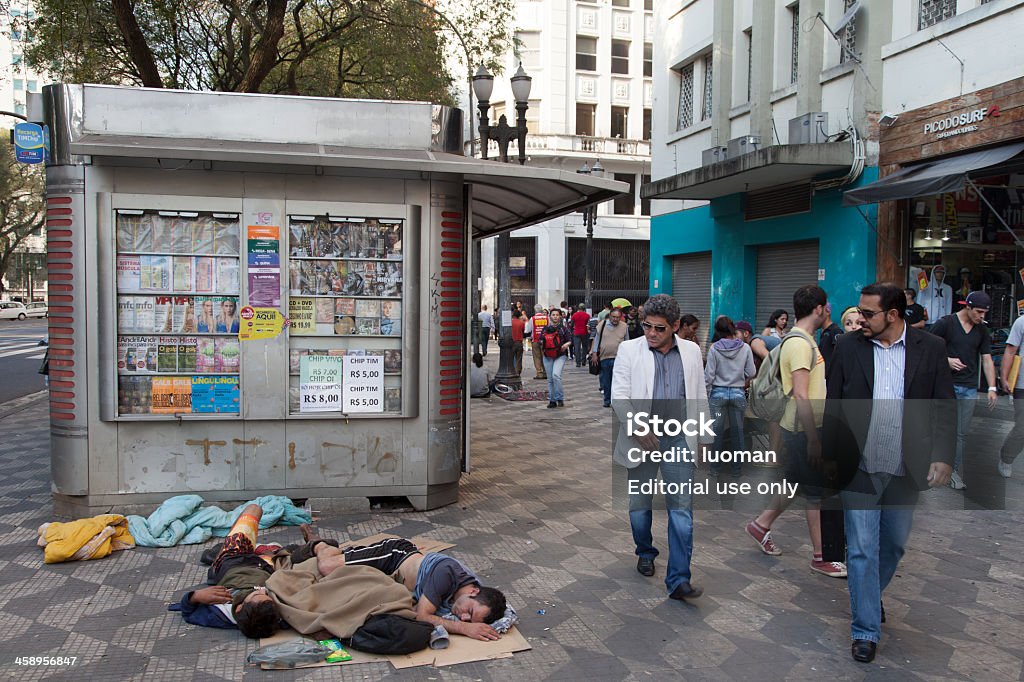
<point>846,247</point>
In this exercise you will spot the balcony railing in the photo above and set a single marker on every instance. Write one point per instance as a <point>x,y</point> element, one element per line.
<point>605,146</point>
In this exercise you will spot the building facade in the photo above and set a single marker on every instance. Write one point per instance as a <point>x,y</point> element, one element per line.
<point>767,113</point>
<point>591,64</point>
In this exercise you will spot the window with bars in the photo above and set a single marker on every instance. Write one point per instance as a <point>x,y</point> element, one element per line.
<point>648,59</point>
<point>620,56</point>
<point>749,33</point>
<point>931,12</point>
<point>586,53</point>
<point>684,118</point>
<point>705,107</point>
<point>848,40</point>
<point>794,16</point>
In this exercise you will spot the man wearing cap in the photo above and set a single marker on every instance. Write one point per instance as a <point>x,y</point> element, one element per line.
<point>744,331</point>
<point>966,339</point>
<point>937,297</point>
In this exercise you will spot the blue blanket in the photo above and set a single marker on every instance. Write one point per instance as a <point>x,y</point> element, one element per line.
<point>182,520</point>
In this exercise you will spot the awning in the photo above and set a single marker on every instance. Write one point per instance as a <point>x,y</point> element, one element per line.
<point>932,177</point>
<point>506,196</point>
<point>765,168</point>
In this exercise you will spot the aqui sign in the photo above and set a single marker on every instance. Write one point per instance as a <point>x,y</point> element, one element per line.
<point>30,143</point>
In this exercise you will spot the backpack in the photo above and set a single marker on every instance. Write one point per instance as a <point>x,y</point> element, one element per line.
<point>767,399</point>
<point>551,344</point>
<point>391,634</point>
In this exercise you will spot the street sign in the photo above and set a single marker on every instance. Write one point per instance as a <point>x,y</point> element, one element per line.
<point>29,145</point>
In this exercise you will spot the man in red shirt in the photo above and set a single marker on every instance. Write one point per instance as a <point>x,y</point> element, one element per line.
<point>518,329</point>
<point>580,334</point>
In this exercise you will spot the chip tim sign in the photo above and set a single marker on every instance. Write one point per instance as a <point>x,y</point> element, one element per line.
<point>959,124</point>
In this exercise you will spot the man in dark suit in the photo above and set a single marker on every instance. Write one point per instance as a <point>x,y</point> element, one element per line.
<point>889,428</point>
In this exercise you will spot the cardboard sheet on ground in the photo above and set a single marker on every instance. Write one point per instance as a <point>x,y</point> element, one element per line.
<point>461,650</point>
<point>425,545</point>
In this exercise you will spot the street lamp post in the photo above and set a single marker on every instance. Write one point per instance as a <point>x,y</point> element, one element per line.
<point>589,218</point>
<point>503,134</point>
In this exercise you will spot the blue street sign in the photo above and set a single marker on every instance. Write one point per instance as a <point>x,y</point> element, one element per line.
<point>29,146</point>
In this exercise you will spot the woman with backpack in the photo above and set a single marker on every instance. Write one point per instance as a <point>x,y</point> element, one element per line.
<point>730,364</point>
<point>557,340</point>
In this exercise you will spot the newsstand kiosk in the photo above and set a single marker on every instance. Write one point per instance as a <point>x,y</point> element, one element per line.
<point>255,295</point>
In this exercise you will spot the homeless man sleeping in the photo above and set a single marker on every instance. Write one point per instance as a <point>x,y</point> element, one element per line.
<point>318,586</point>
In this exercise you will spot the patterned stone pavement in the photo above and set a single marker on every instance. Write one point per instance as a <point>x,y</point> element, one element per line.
<point>535,517</point>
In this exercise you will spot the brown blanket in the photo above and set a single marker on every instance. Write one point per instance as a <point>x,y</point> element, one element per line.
<point>340,602</point>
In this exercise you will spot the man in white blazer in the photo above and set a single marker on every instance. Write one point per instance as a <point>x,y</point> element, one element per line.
<point>663,374</point>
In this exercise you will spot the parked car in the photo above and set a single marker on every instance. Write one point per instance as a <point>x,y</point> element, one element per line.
<point>12,310</point>
<point>37,309</point>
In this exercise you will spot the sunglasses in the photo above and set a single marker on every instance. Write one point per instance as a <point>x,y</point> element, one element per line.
<point>660,328</point>
<point>868,314</point>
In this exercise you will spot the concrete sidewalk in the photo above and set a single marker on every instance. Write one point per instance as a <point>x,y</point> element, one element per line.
<point>535,518</point>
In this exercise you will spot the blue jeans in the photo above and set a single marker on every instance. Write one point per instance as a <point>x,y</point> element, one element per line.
<point>876,537</point>
<point>553,367</point>
<point>966,401</point>
<point>680,516</point>
<point>607,366</point>
<point>728,405</point>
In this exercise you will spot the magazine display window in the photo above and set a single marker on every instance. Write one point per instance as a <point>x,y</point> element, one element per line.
<point>346,299</point>
<point>177,287</point>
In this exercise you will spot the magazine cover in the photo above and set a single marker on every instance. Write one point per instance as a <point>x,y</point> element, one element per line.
<point>136,314</point>
<point>226,355</point>
<point>294,358</point>
<point>205,275</point>
<point>134,395</point>
<point>344,325</point>
<point>227,275</point>
<point>163,314</point>
<point>155,273</point>
<point>345,306</point>
<point>205,314</point>
<point>146,353</point>
<point>297,285</point>
<point>353,284</point>
<point>226,395</point>
<point>324,310</point>
<point>390,318</point>
<point>163,395</point>
<point>298,240</point>
<point>205,355</point>
<point>226,320</point>
<point>367,308</point>
<point>187,353</point>
<point>392,362</point>
<point>167,354</point>
<point>392,399</point>
<point>134,231</point>
<point>368,326</point>
<point>302,315</point>
<point>202,236</point>
<point>122,354</point>
<point>393,237</point>
<point>181,234</point>
<point>203,398</point>
<point>128,274</point>
<point>161,233</point>
<point>389,281</point>
<point>182,279</point>
<point>225,237</point>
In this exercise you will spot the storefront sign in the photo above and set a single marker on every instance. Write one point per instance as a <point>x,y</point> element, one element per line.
<point>301,315</point>
<point>517,266</point>
<point>260,323</point>
<point>363,384</point>
<point>320,383</point>
<point>960,124</point>
<point>29,145</point>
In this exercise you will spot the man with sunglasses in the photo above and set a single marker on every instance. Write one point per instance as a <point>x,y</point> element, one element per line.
<point>967,339</point>
<point>663,375</point>
<point>888,434</point>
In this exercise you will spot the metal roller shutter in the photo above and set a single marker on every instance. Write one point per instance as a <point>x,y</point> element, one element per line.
<point>781,270</point>
<point>691,287</point>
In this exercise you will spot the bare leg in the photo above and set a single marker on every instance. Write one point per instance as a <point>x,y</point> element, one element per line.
<point>328,558</point>
<point>814,528</point>
<point>771,515</point>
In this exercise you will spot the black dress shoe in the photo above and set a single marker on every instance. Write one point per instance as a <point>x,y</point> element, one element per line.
<point>686,591</point>
<point>863,650</point>
<point>645,566</point>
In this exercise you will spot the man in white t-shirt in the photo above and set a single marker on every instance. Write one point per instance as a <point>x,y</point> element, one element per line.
<point>1014,442</point>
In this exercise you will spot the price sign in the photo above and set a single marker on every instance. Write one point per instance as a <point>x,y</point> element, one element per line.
<point>363,384</point>
<point>320,383</point>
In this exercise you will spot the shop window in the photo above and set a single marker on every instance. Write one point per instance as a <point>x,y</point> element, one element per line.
<point>620,122</point>
<point>848,38</point>
<point>586,53</point>
<point>647,125</point>
<point>684,114</point>
<point>620,56</point>
<point>648,59</point>
<point>794,20</point>
<point>177,279</point>
<point>345,286</point>
<point>585,119</point>
<point>645,204</point>
<point>625,204</point>
<point>931,12</point>
<point>705,107</point>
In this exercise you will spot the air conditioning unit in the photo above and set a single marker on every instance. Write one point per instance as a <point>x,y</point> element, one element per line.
<point>810,128</point>
<point>713,155</point>
<point>743,145</point>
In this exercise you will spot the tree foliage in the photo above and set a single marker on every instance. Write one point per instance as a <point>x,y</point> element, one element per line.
<point>390,49</point>
<point>21,203</point>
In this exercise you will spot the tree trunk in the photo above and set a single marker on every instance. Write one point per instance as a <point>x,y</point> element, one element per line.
<point>265,58</point>
<point>138,49</point>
